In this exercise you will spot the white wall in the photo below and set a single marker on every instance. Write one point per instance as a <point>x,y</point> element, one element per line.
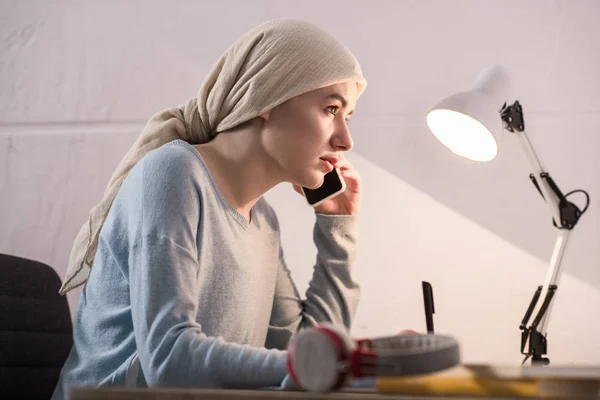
<point>78,79</point>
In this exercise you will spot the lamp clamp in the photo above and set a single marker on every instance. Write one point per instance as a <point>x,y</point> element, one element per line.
<point>536,341</point>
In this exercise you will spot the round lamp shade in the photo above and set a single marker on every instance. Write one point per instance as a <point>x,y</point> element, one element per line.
<point>469,123</point>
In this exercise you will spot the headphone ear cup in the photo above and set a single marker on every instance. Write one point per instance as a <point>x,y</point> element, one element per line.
<point>341,332</point>
<point>318,358</point>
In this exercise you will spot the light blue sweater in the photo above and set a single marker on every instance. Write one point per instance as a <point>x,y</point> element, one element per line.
<point>200,295</point>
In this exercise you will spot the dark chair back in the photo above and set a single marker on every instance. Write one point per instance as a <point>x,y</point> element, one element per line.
<point>35,328</point>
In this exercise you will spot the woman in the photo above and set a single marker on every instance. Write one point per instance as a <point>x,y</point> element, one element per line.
<point>189,286</point>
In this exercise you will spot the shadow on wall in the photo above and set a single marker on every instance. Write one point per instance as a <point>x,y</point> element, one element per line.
<point>498,195</point>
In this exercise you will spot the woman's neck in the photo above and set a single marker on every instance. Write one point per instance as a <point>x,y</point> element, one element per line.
<point>240,167</point>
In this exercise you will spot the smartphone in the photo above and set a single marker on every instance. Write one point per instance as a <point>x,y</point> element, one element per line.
<point>333,184</point>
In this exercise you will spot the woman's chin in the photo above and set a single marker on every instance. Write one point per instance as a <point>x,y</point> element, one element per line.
<point>310,181</point>
<point>314,183</point>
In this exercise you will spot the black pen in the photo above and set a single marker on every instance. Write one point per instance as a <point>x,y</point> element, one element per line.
<point>429,309</point>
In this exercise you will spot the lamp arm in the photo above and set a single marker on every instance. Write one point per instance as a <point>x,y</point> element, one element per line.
<point>565,216</point>
<point>540,176</point>
<point>533,337</point>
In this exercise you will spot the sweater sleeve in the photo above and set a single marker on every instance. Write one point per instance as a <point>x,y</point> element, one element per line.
<point>332,295</point>
<point>163,267</point>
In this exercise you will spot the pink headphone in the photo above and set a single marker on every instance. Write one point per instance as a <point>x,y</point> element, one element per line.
<point>323,358</point>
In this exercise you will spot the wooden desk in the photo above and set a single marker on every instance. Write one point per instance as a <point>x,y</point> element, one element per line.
<point>213,394</point>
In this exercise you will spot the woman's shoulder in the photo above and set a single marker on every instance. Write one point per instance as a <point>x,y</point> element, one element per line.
<point>170,166</point>
<point>174,160</point>
<point>176,154</point>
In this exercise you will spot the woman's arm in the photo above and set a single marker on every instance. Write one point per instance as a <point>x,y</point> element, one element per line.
<point>332,294</point>
<point>173,350</point>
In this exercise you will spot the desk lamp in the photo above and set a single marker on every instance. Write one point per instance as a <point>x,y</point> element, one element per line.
<point>469,124</point>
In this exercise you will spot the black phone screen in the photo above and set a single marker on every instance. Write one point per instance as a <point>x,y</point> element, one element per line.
<point>331,184</point>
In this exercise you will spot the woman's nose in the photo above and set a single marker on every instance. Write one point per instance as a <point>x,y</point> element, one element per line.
<point>342,140</point>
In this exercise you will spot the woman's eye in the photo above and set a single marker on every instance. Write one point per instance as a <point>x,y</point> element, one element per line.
<point>332,109</point>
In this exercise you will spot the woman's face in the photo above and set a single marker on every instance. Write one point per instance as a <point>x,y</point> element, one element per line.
<point>300,133</point>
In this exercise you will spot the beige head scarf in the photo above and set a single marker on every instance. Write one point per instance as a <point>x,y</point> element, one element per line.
<point>270,64</point>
